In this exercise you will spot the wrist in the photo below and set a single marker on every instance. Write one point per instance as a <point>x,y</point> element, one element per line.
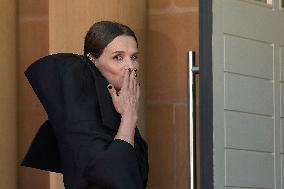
<point>129,117</point>
<point>126,130</point>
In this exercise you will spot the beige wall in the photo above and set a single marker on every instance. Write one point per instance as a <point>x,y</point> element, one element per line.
<point>8,92</point>
<point>172,31</point>
<point>32,44</point>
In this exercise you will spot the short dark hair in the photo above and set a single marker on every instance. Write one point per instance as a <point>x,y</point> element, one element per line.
<point>101,34</point>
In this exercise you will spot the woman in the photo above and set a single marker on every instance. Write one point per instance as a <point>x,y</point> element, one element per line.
<point>92,106</point>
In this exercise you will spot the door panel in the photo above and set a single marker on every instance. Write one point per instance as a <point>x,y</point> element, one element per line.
<point>248,94</point>
<point>282,139</point>
<point>249,169</point>
<point>282,99</point>
<point>242,127</point>
<point>247,49</point>
<point>252,21</point>
<point>244,64</point>
<point>282,62</point>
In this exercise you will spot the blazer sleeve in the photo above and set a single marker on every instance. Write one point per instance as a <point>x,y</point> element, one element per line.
<point>104,162</point>
<point>141,149</point>
<point>43,153</point>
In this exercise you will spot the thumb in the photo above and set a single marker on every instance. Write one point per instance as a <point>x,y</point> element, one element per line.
<point>112,92</point>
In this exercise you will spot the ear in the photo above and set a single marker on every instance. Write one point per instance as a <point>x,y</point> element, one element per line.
<point>91,58</point>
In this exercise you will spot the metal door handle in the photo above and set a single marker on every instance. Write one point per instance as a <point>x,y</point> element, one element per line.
<point>192,71</point>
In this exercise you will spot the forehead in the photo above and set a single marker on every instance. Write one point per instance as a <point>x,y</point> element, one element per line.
<point>122,43</point>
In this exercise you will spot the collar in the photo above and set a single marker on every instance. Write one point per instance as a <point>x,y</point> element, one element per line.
<point>109,115</point>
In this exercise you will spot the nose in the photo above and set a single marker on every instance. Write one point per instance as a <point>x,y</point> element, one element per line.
<point>129,64</point>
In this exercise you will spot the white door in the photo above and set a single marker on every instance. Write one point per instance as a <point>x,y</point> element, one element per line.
<point>248,94</point>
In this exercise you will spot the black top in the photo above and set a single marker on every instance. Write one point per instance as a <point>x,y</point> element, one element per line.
<point>77,139</point>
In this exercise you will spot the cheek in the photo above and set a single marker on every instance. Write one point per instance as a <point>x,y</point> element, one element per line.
<point>120,76</point>
<point>111,71</point>
<point>117,77</point>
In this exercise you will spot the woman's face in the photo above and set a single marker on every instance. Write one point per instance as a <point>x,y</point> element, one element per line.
<point>120,54</point>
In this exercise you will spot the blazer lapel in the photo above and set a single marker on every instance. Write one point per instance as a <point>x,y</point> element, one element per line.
<point>109,115</point>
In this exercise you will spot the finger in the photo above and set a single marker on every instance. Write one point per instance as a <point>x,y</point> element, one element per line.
<point>112,93</point>
<point>135,83</point>
<point>125,83</point>
<point>132,81</point>
<point>138,91</point>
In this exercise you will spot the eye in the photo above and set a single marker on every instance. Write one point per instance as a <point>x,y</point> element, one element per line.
<point>118,58</point>
<point>134,57</point>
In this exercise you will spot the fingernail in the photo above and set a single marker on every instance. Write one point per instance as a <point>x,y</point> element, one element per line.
<point>109,87</point>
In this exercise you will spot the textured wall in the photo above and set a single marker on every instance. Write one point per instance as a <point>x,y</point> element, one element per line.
<point>172,31</point>
<point>32,44</point>
<point>8,91</point>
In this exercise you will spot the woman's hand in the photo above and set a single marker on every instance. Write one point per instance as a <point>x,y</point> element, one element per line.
<point>127,102</point>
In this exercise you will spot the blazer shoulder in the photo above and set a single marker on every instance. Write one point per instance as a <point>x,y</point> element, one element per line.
<point>46,76</point>
<point>48,67</point>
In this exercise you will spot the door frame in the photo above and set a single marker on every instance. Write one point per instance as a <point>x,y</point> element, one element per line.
<point>206,95</point>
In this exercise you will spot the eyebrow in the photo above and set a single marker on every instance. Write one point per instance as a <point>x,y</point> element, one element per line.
<point>116,52</point>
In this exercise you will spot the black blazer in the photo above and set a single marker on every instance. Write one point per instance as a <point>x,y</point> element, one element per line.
<point>77,139</point>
